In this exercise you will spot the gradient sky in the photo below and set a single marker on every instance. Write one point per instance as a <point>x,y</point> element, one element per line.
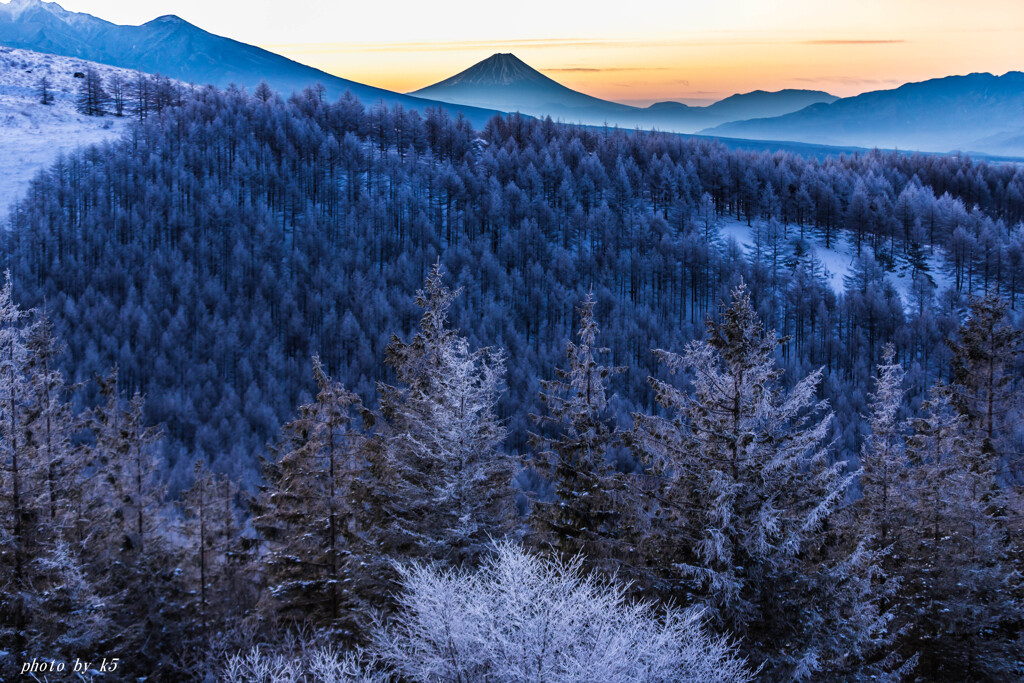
<point>629,52</point>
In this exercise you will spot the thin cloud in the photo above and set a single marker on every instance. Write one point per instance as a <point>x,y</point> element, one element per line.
<point>851,42</point>
<point>452,46</point>
<point>848,80</point>
<point>610,69</point>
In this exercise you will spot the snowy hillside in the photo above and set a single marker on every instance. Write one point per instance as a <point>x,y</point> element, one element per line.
<point>837,259</point>
<point>33,135</point>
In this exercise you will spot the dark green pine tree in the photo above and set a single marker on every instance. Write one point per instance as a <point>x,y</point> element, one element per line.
<point>311,515</point>
<point>573,456</point>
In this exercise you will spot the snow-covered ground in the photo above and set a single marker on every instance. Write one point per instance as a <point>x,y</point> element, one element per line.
<point>33,135</point>
<point>837,259</point>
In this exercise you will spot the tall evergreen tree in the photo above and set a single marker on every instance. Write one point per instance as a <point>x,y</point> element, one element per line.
<point>442,438</point>
<point>575,459</point>
<point>984,376</point>
<point>746,491</point>
<point>311,512</point>
<point>958,609</point>
<point>124,533</point>
<point>20,515</point>
<point>213,552</point>
<point>882,456</point>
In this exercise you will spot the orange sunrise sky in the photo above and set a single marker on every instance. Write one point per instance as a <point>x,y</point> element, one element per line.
<point>629,52</point>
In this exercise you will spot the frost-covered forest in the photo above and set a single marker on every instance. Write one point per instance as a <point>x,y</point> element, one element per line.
<point>297,390</point>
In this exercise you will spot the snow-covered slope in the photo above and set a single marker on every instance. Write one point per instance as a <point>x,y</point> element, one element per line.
<point>33,135</point>
<point>837,260</point>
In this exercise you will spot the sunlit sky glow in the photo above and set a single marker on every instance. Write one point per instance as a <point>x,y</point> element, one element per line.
<point>628,52</point>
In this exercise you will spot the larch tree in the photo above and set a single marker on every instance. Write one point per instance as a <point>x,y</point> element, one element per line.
<point>20,514</point>
<point>40,482</point>
<point>118,89</point>
<point>130,482</point>
<point>92,96</point>
<point>124,528</point>
<point>44,90</point>
<point>213,550</point>
<point>50,425</point>
<point>747,489</point>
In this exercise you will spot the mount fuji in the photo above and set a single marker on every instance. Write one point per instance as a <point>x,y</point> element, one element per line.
<point>505,82</point>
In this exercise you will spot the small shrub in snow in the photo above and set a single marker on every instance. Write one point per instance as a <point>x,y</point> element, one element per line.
<point>520,617</point>
<point>319,665</point>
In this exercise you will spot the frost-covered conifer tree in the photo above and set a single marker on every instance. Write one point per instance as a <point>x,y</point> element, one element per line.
<point>92,96</point>
<point>19,513</point>
<point>213,550</point>
<point>44,90</point>
<point>882,458</point>
<point>45,585</point>
<point>123,533</point>
<point>958,606</point>
<point>128,489</point>
<point>983,375</point>
<point>746,492</point>
<point>310,511</point>
<point>442,437</point>
<point>50,426</point>
<point>582,516</point>
<point>878,523</point>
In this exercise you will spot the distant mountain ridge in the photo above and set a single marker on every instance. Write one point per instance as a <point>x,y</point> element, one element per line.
<point>978,112</point>
<point>173,47</point>
<point>503,81</point>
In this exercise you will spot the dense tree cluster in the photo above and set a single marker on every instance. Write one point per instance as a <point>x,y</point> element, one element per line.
<point>586,368</point>
<point>228,238</point>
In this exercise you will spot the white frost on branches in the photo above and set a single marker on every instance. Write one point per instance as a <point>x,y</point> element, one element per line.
<point>520,617</point>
